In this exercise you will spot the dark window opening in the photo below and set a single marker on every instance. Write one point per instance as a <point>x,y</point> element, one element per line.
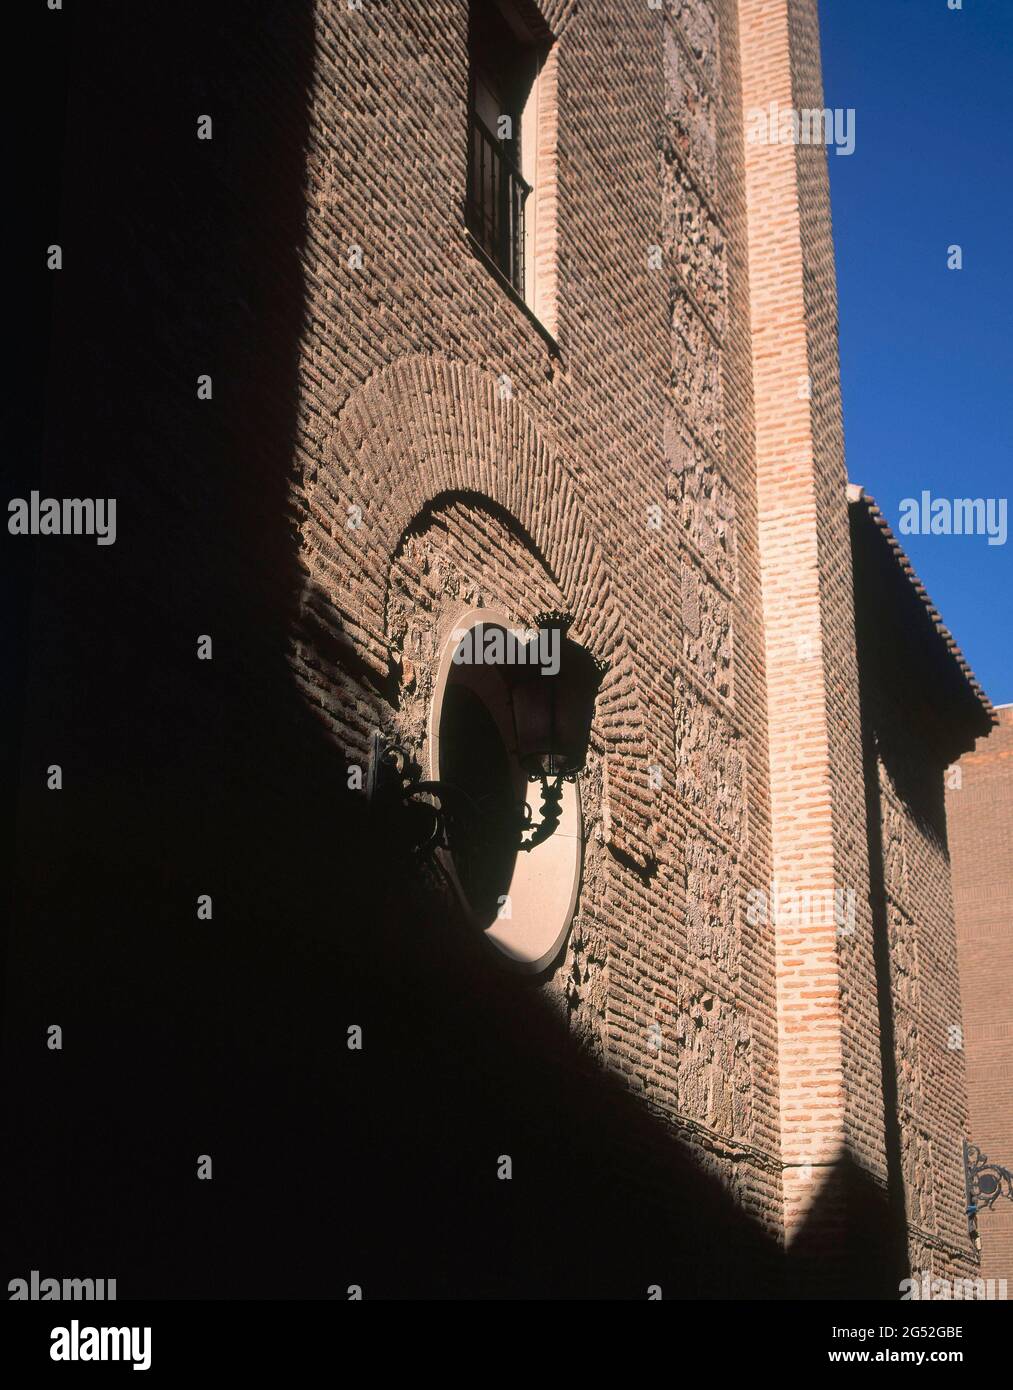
<point>503,68</point>
<point>483,805</point>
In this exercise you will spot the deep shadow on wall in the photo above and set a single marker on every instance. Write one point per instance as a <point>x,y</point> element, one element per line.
<point>184,777</point>
<point>919,712</point>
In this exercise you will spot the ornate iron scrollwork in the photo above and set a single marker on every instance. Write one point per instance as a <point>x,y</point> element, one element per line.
<point>421,809</point>
<point>985,1182</point>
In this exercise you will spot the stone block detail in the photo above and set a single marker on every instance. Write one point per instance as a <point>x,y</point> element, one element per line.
<point>712,896</point>
<point>703,498</point>
<point>714,1045</point>
<point>707,631</point>
<point>696,371</point>
<point>690,112</point>
<point>894,833</point>
<point>694,243</point>
<point>904,959</point>
<point>907,1041</point>
<point>698,25</point>
<point>710,765</point>
<point>919,1197</point>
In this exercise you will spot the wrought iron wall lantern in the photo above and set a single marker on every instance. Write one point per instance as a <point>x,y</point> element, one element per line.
<point>985,1183</point>
<point>551,712</point>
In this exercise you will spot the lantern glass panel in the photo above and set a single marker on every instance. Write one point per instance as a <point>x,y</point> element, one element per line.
<point>553,713</point>
<point>579,678</point>
<point>534,704</point>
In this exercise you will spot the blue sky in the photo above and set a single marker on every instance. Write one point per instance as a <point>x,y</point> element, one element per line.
<point>925,351</point>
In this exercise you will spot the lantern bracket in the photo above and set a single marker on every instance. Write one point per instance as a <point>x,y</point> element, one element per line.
<point>420,810</point>
<point>985,1182</point>
<point>551,710</point>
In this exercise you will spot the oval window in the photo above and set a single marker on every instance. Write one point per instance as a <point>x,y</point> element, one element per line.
<point>521,900</point>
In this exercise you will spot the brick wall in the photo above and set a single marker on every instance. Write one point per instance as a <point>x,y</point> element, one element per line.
<point>487,463</point>
<point>831,1098</point>
<point>979,817</point>
<point>920,708</point>
<point>622,462</point>
<point>872,1098</point>
<point>392,439</point>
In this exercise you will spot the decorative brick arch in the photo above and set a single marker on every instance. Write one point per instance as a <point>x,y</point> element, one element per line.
<point>427,426</point>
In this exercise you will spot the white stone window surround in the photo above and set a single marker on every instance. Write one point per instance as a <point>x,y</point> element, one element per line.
<point>545,884</point>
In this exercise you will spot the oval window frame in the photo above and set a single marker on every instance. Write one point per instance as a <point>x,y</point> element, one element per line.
<point>546,882</point>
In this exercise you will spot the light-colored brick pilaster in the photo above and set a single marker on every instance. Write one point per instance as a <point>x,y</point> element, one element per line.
<point>831,1084</point>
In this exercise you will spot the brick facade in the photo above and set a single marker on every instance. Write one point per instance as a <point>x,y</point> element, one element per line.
<point>831,1103</point>
<point>979,815</point>
<point>918,702</point>
<point>394,438</point>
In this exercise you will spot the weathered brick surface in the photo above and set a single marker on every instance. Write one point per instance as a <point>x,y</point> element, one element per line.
<point>979,818</point>
<point>643,418</point>
<point>392,441</point>
<point>870,1094</point>
<point>920,708</point>
<point>831,1100</point>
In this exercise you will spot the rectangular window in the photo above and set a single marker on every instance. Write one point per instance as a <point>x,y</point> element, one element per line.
<point>510,154</point>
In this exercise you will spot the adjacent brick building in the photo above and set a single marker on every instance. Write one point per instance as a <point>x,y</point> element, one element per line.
<point>627,408</point>
<point>979,814</point>
<point>919,699</point>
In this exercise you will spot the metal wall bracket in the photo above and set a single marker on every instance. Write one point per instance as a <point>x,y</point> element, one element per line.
<point>985,1182</point>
